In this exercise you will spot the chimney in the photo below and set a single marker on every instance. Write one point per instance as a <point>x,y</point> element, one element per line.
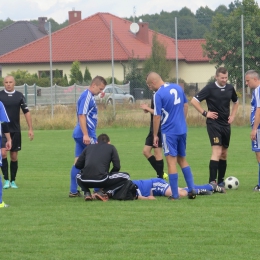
<point>41,23</point>
<point>74,16</point>
<point>142,34</point>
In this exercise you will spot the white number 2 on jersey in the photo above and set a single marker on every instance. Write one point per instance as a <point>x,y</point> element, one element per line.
<point>177,99</point>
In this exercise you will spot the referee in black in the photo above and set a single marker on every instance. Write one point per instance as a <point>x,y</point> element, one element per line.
<point>156,159</point>
<point>13,101</point>
<point>218,96</point>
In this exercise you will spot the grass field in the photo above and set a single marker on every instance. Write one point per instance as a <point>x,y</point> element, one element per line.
<point>44,223</point>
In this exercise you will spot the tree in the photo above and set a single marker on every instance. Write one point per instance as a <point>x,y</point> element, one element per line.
<point>222,9</point>
<point>66,80</point>
<point>57,74</point>
<point>134,74</point>
<point>75,73</point>
<point>157,62</point>
<point>87,76</point>
<point>223,41</point>
<point>204,16</point>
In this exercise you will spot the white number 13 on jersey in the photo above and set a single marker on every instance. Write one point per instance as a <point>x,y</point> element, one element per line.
<point>177,99</point>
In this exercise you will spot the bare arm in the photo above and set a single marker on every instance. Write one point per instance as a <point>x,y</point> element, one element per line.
<point>186,107</point>
<point>83,126</point>
<point>150,197</point>
<point>146,108</point>
<point>29,123</point>
<point>233,113</point>
<point>156,125</point>
<point>198,107</point>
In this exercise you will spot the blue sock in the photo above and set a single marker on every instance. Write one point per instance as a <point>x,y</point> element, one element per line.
<point>73,181</point>
<point>188,177</point>
<point>173,179</point>
<point>205,186</point>
<point>258,174</point>
<point>1,189</point>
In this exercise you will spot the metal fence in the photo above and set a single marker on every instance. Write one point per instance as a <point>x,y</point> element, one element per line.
<point>36,95</point>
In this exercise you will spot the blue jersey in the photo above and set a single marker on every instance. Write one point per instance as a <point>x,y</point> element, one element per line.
<point>3,118</point>
<point>255,103</point>
<point>86,106</point>
<point>169,103</point>
<point>157,186</point>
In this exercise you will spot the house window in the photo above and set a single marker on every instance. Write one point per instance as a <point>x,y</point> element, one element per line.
<point>47,73</point>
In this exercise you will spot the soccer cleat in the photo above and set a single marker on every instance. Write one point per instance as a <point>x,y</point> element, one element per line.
<point>6,184</point>
<point>222,184</point>
<point>171,198</point>
<point>3,205</point>
<point>204,192</point>
<point>257,188</point>
<point>13,185</point>
<point>165,176</point>
<point>217,188</point>
<point>99,195</point>
<point>74,195</point>
<point>87,196</point>
<point>192,194</point>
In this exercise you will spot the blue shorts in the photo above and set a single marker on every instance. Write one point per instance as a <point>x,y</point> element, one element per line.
<point>174,145</point>
<point>80,146</point>
<point>159,187</point>
<point>256,143</point>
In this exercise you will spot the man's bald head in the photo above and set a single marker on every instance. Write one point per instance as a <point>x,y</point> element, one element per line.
<point>154,81</point>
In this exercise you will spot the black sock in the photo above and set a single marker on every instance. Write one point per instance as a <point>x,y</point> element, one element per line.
<point>4,168</point>
<point>159,169</point>
<point>222,166</point>
<point>152,161</point>
<point>13,169</point>
<point>213,170</point>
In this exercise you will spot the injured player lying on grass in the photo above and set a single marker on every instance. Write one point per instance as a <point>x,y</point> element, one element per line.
<point>151,188</point>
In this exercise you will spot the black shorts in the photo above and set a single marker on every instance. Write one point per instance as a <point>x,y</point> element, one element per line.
<point>16,141</point>
<point>219,134</point>
<point>149,140</point>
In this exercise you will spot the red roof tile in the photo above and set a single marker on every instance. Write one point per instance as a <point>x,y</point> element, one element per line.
<point>89,40</point>
<point>192,50</point>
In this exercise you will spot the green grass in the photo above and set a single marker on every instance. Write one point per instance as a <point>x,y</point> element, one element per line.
<point>43,223</point>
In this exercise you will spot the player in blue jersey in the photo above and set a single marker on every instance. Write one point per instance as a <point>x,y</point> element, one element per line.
<point>85,131</point>
<point>151,188</point>
<point>252,79</point>
<point>170,109</point>
<point>218,96</point>
<point>4,128</point>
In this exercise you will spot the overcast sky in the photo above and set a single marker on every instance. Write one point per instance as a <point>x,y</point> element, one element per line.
<point>58,9</point>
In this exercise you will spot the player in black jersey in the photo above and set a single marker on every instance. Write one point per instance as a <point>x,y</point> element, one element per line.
<point>155,160</point>
<point>218,96</point>
<point>13,102</point>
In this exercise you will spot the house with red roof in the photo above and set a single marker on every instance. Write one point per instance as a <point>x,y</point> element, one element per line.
<point>89,42</point>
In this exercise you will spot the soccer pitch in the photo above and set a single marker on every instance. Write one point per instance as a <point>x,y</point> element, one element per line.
<point>44,223</point>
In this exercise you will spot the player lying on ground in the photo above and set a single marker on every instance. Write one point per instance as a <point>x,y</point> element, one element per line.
<point>151,188</point>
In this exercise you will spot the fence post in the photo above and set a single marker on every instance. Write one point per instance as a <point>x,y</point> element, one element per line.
<point>25,92</point>
<point>55,94</point>
<point>75,92</point>
<point>35,94</point>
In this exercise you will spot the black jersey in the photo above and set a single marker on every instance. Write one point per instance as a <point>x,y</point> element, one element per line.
<point>218,100</point>
<point>151,121</point>
<point>152,107</point>
<point>95,160</point>
<point>13,101</point>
